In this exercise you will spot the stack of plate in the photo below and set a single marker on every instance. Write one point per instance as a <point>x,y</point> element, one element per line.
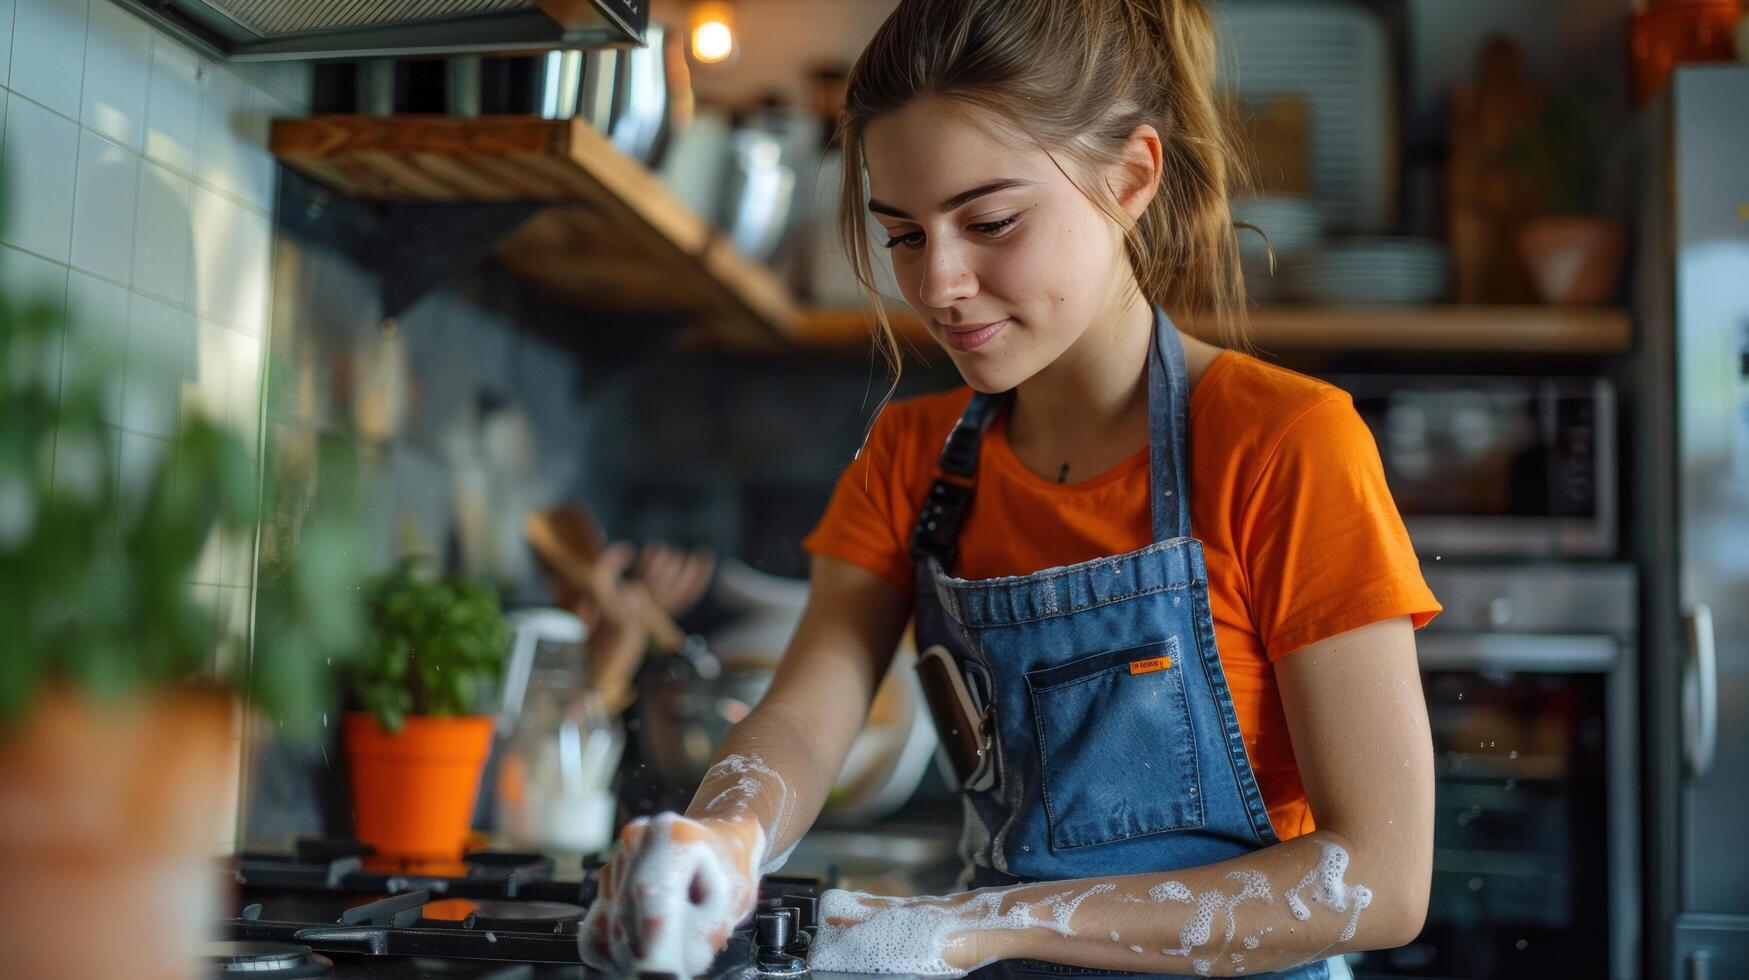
<point>1338,56</point>
<point>1291,224</point>
<point>1363,271</point>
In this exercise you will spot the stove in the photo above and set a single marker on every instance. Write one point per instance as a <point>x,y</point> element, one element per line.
<point>329,908</point>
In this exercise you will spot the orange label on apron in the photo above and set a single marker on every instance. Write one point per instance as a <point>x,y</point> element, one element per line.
<point>1150,665</point>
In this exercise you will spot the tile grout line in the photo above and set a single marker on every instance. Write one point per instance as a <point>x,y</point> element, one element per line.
<point>234,326</point>
<point>85,54</point>
<point>67,286</point>
<point>265,211</point>
<point>11,39</point>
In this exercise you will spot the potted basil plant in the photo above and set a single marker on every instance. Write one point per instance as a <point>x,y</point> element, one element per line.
<point>419,735</point>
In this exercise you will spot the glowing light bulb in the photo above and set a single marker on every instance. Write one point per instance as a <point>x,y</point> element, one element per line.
<point>713,32</point>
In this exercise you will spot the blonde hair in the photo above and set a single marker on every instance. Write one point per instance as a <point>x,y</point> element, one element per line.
<point>1076,77</point>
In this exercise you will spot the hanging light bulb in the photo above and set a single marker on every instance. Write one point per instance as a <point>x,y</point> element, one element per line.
<point>711,32</point>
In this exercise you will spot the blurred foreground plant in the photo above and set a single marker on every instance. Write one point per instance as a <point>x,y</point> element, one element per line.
<point>94,584</point>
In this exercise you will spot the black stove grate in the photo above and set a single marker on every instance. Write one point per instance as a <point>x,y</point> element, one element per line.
<point>334,900</point>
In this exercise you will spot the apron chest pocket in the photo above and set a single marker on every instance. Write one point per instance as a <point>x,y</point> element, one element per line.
<point>1116,746</point>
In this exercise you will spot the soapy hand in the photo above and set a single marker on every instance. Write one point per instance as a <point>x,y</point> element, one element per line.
<point>928,936</point>
<point>671,895</point>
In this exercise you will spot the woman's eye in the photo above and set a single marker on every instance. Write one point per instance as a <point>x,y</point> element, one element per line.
<point>993,227</point>
<point>908,240</point>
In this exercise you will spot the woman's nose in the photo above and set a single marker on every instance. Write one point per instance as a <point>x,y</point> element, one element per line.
<point>947,277</point>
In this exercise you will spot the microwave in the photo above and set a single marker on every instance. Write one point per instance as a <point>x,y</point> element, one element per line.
<point>1496,466</point>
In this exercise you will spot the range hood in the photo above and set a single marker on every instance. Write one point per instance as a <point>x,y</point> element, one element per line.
<point>266,30</point>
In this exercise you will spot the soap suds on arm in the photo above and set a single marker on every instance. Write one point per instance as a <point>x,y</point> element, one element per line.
<point>1146,923</point>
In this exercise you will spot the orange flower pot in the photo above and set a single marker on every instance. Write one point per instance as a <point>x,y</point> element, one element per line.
<point>114,813</point>
<point>413,793</point>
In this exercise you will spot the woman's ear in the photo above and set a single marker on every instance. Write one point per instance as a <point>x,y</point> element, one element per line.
<point>1136,177</point>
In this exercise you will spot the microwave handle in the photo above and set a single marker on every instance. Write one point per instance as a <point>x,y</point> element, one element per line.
<point>1700,694</point>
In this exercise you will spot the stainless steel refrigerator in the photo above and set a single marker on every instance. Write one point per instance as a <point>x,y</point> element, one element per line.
<point>1692,526</point>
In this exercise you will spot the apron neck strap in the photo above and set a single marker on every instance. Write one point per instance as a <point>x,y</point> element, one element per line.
<point>937,532</point>
<point>1168,432</point>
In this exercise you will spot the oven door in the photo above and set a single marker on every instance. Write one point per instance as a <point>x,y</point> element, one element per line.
<point>1532,866</point>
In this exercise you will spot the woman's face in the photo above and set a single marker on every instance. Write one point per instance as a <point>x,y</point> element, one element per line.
<point>1003,257</point>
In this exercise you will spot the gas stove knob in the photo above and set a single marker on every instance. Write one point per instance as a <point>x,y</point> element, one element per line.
<point>775,930</point>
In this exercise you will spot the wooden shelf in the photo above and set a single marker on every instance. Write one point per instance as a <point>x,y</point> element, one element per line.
<point>612,239</point>
<point>1479,329</point>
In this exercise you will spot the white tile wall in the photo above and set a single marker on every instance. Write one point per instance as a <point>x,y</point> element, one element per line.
<point>290,80</point>
<point>48,52</point>
<point>7,9</point>
<point>205,389</point>
<point>233,122</point>
<point>230,239</point>
<point>173,95</point>
<point>243,401</point>
<point>164,235</point>
<point>157,352</point>
<point>39,158</point>
<point>139,193</point>
<point>99,311</point>
<point>118,56</point>
<point>105,188</point>
<point>33,275</point>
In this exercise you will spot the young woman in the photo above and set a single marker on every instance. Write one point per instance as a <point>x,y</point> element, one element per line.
<point>1180,584</point>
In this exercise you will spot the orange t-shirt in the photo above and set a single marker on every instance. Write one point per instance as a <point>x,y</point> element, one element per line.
<point>1301,537</point>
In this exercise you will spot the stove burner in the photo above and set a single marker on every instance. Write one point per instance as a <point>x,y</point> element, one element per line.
<point>557,917</point>
<point>280,961</point>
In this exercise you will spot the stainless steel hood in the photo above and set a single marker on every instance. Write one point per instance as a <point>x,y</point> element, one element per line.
<point>264,30</point>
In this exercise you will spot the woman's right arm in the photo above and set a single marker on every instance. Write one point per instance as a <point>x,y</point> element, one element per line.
<point>678,885</point>
<point>777,766</point>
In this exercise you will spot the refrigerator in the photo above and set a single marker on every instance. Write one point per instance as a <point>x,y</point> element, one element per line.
<point>1692,526</point>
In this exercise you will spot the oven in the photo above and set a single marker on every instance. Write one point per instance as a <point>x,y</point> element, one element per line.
<point>1496,466</point>
<point>1530,681</point>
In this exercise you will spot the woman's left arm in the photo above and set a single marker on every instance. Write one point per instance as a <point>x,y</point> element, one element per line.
<point>1360,881</point>
<point>1358,720</point>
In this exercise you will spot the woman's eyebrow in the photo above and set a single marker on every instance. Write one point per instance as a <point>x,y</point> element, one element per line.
<point>956,201</point>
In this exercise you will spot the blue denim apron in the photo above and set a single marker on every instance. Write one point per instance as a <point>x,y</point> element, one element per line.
<point>1117,750</point>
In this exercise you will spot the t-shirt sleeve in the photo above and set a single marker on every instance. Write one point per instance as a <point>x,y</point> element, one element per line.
<point>1324,546</point>
<point>869,506</point>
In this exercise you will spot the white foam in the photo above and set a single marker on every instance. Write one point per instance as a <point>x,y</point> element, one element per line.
<point>1062,909</point>
<point>736,798</point>
<point>1254,886</point>
<point>1169,891</point>
<point>653,882</point>
<point>862,933</point>
<point>1331,891</point>
<point>748,777</point>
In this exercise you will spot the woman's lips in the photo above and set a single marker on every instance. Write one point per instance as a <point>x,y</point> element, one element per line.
<point>971,337</point>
